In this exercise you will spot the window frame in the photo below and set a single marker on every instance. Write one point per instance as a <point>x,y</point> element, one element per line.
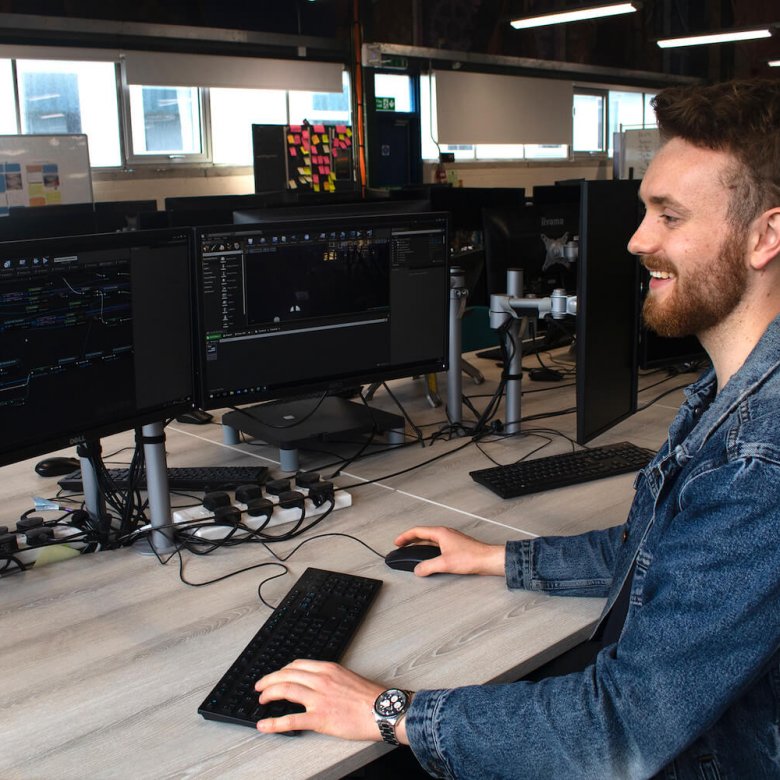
<point>193,159</point>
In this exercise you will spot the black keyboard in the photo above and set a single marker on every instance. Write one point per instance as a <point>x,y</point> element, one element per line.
<point>316,619</point>
<point>569,468</point>
<point>204,478</point>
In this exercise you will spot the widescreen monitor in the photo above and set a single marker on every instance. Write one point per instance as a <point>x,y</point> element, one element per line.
<point>316,305</point>
<point>95,337</point>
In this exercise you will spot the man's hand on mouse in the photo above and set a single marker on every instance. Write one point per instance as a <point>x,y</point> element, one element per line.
<point>460,554</point>
<point>338,702</point>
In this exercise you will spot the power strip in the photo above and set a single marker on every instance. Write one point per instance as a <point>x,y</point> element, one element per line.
<point>279,516</point>
<point>46,553</point>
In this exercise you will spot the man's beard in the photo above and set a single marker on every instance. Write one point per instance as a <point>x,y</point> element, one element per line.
<point>702,298</point>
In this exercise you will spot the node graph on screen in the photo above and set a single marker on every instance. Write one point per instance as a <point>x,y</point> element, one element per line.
<point>96,339</point>
<point>302,312</point>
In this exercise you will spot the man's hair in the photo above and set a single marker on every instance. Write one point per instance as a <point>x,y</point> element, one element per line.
<point>741,118</point>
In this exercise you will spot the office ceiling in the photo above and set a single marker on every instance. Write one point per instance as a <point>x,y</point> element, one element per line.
<point>473,26</point>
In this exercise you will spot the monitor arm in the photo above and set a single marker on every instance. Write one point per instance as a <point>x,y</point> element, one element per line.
<point>506,313</point>
<point>506,307</point>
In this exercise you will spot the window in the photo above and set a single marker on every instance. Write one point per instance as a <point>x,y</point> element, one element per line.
<point>233,112</point>
<point>590,108</point>
<point>431,150</point>
<point>165,122</point>
<point>328,107</point>
<point>58,97</point>
<point>628,110</point>
<point>7,118</point>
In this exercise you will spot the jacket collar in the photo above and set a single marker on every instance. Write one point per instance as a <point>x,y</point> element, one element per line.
<point>761,363</point>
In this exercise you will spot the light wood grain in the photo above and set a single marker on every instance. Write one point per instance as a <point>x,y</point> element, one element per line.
<point>107,656</point>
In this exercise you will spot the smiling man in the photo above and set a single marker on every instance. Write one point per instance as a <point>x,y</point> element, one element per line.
<point>682,676</point>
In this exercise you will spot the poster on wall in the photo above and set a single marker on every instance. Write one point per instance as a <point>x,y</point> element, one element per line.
<point>44,170</point>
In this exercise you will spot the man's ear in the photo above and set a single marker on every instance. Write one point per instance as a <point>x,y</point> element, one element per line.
<point>765,243</point>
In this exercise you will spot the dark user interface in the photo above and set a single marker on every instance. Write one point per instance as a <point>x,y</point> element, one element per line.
<point>91,338</point>
<point>292,308</point>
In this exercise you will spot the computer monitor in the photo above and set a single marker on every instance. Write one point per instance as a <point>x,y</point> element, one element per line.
<point>95,337</point>
<point>325,209</point>
<point>318,306</point>
<point>66,219</point>
<point>465,204</point>
<point>514,239</point>
<point>607,306</point>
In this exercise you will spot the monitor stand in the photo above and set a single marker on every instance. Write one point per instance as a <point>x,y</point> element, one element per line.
<point>295,423</point>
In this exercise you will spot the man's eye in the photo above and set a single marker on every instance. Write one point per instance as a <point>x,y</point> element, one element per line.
<point>669,219</point>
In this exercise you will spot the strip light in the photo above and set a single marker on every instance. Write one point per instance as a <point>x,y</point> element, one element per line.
<point>724,37</point>
<point>774,63</point>
<point>594,12</point>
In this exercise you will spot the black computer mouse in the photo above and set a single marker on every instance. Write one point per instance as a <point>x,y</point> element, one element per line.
<point>57,466</point>
<point>406,558</point>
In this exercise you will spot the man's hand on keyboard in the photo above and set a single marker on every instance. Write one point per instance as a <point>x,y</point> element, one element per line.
<point>460,554</point>
<point>338,702</point>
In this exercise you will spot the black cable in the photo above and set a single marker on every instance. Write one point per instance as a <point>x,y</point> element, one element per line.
<point>295,423</point>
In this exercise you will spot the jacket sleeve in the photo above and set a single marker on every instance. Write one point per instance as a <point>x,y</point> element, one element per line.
<point>579,565</point>
<point>703,623</point>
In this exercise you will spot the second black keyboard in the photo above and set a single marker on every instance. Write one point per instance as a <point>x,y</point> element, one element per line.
<point>568,468</point>
<point>316,619</point>
<point>184,478</point>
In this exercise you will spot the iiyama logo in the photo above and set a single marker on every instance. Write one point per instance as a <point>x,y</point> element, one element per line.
<point>554,221</point>
<point>77,439</point>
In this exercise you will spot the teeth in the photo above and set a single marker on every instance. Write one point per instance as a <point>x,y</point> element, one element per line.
<point>660,274</point>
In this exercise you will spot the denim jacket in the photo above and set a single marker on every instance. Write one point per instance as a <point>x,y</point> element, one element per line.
<point>691,689</point>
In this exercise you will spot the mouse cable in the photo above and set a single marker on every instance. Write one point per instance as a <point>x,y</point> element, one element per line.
<point>234,573</point>
<point>410,468</point>
<point>285,558</point>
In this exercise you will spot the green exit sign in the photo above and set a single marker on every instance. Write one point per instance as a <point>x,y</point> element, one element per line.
<point>385,104</point>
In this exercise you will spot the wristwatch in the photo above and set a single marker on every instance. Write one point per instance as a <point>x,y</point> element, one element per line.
<point>390,706</point>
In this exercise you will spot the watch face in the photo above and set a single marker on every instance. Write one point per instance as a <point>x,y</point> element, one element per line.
<point>391,703</point>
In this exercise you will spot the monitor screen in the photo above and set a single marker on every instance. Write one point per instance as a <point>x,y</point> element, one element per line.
<point>319,304</point>
<point>95,337</point>
<point>607,311</point>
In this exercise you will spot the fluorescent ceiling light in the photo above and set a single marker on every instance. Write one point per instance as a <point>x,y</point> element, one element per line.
<point>774,63</point>
<point>594,12</point>
<point>723,37</point>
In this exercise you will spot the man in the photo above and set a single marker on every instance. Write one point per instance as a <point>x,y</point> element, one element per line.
<point>687,679</point>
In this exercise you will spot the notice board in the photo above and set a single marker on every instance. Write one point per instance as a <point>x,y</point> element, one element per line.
<point>41,170</point>
<point>311,157</point>
<point>637,148</point>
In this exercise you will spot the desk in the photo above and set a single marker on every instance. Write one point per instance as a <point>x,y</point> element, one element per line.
<point>106,657</point>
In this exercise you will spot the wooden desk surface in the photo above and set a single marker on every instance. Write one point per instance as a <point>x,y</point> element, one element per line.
<point>107,656</point>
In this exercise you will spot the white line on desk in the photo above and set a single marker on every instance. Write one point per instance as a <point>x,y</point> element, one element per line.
<point>467,514</point>
<point>363,479</point>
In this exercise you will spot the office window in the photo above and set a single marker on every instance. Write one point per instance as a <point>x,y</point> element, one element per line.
<point>589,118</point>
<point>233,112</point>
<point>58,97</point>
<point>329,107</point>
<point>431,150</point>
<point>397,87</point>
<point>166,122</point>
<point>649,117</point>
<point>7,99</point>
